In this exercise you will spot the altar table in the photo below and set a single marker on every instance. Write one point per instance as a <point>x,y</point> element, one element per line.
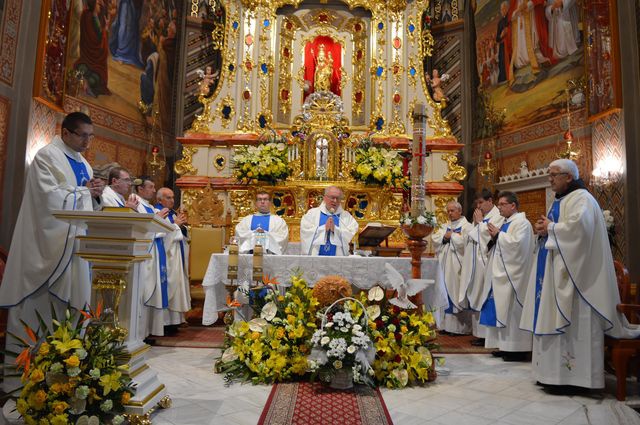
<point>361,272</point>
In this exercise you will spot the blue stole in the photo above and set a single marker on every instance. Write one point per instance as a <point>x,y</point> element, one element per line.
<point>80,170</point>
<point>331,252</point>
<point>171,216</point>
<point>554,215</point>
<point>449,309</point>
<point>260,220</point>
<point>488,315</point>
<point>162,261</point>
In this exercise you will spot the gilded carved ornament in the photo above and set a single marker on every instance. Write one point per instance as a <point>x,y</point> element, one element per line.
<point>184,165</point>
<point>456,171</point>
<point>441,201</point>
<point>377,6</point>
<point>205,207</point>
<point>242,201</point>
<point>226,111</point>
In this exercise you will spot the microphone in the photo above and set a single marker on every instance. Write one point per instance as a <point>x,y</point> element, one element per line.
<point>329,232</point>
<point>77,190</point>
<point>64,201</point>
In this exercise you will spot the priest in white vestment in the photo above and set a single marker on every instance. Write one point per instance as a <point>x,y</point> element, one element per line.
<point>572,295</point>
<point>529,36</point>
<point>449,242</point>
<point>42,270</point>
<point>506,281</point>
<point>475,260</point>
<point>262,227</point>
<point>564,32</point>
<point>153,272</point>
<point>118,192</point>
<point>328,229</point>
<point>177,260</point>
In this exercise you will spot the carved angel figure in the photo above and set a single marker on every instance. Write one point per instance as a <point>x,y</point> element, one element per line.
<point>208,78</point>
<point>436,81</point>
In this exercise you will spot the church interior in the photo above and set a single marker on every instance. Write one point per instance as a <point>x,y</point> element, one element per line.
<point>398,111</point>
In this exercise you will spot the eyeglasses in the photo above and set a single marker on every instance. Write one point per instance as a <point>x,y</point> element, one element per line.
<point>554,175</point>
<point>84,136</point>
<point>333,198</point>
<point>127,179</point>
<point>502,204</point>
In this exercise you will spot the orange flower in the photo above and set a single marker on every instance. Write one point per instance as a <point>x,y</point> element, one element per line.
<point>232,303</point>
<point>88,315</point>
<point>23,361</point>
<point>267,280</point>
<point>31,334</point>
<point>125,397</point>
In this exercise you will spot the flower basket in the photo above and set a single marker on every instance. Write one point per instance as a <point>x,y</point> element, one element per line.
<point>342,380</point>
<point>343,351</point>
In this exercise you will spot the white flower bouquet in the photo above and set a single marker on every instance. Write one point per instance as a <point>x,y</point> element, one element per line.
<point>343,344</point>
<point>425,217</point>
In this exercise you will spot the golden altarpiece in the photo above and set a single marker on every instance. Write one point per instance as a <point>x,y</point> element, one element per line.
<point>338,70</point>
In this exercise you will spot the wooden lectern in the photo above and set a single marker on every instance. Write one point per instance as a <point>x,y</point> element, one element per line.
<point>372,236</point>
<point>115,243</point>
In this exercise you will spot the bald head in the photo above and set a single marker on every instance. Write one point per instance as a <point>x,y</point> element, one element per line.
<point>165,197</point>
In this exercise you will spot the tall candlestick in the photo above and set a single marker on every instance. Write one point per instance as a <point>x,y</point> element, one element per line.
<point>257,263</point>
<point>232,272</point>
<point>418,150</point>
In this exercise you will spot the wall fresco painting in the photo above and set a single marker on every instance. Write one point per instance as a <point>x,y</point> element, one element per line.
<point>526,56</point>
<point>121,56</point>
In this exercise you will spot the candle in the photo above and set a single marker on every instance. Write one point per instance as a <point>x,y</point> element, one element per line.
<point>487,155</point>
<point>418,148</point>
<point>232,272</point>
<point>257,263</point>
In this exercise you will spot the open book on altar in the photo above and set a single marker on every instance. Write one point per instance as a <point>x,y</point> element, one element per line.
<point>373,234</point>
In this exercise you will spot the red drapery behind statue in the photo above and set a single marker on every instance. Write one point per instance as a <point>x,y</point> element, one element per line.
<point>330,46</point>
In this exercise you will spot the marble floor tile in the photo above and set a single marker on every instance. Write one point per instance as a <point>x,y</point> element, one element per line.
<point>478,389</point>
<point>459,418</point>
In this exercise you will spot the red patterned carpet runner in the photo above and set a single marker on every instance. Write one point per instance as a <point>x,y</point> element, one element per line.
<point>304,403</point>
<point>193,337</point>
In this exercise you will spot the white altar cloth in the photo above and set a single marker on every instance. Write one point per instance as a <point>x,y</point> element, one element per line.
<point>362,272</point>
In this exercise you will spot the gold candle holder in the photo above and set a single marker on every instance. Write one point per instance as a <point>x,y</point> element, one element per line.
<point>232,274</point>
<point>232,271</point>
<point>258,257</point>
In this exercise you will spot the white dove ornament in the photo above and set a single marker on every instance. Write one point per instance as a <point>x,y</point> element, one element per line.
<point>404,288</point>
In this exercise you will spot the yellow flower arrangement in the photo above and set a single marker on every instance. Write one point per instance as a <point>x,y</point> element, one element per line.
<point>272,347</point>
<point>265,162</point>
<point>403,342</point>
<point>283,340</point>
<point>378,165</point>
<point>72,373</point>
